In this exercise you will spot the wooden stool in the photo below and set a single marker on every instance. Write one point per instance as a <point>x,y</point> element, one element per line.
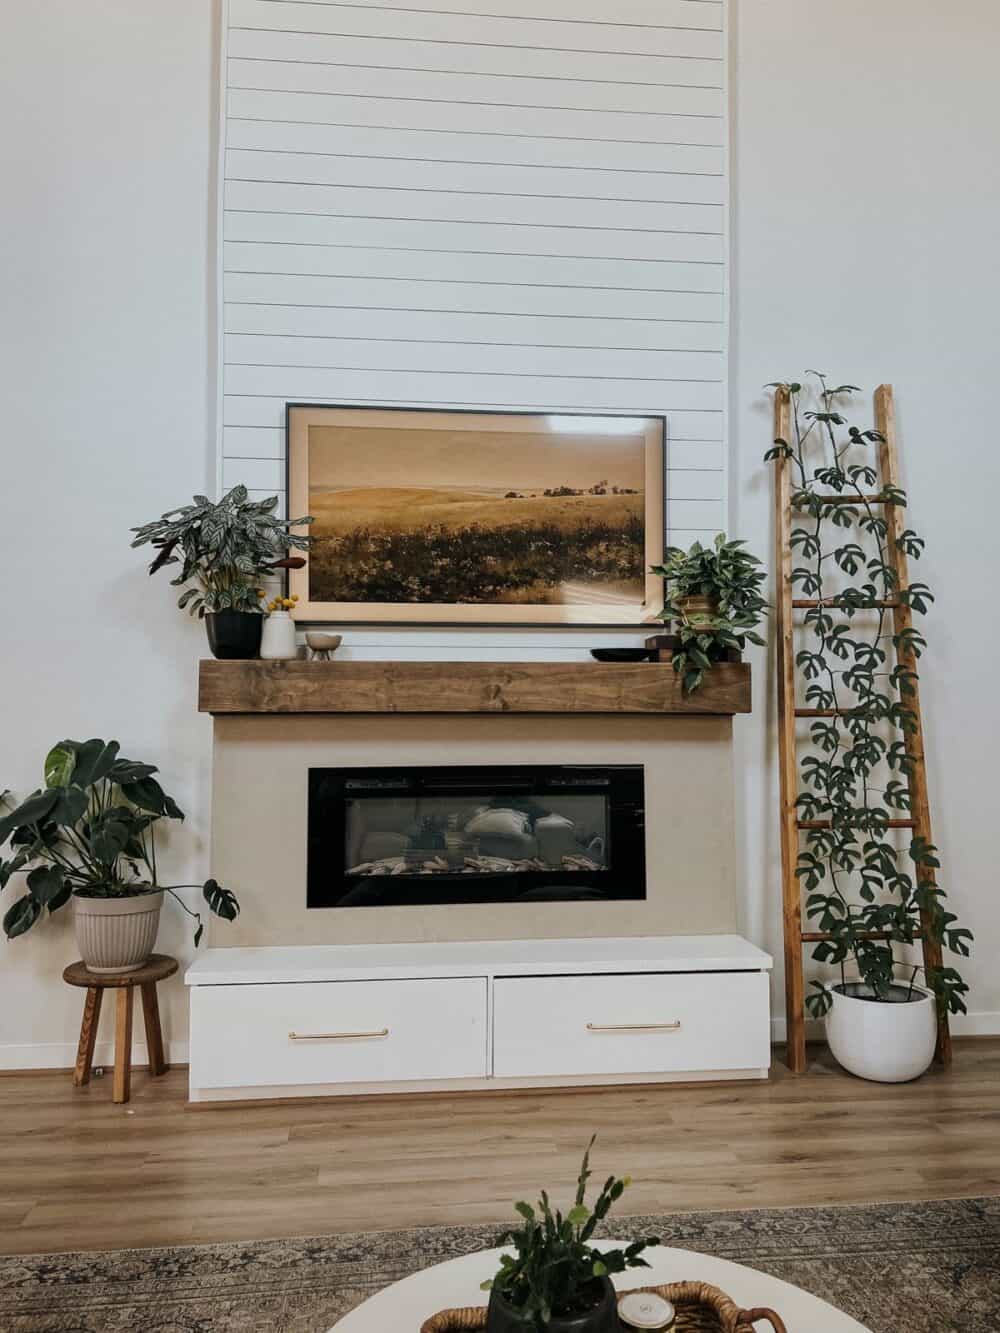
<point>145,977</point>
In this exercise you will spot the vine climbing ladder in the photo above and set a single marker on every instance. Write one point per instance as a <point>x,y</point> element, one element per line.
<point>918,816</point>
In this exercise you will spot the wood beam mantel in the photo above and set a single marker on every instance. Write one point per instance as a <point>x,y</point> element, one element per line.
<point>467,687</point>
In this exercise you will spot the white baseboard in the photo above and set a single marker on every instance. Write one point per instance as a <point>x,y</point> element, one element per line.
<point>779,1029</point>
<point>62,1054</point>
<point>986,1023</point>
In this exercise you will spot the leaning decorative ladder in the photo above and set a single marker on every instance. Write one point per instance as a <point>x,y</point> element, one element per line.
<point>788,713</point>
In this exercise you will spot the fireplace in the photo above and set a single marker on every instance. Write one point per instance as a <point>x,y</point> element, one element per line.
<point>475,834</point>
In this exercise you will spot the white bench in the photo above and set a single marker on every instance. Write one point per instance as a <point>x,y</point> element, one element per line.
<point>312,1021</point>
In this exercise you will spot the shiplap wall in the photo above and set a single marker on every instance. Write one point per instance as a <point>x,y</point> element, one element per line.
<point>483,203</point>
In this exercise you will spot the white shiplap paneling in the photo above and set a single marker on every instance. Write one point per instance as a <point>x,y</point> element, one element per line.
<point>482,203</point>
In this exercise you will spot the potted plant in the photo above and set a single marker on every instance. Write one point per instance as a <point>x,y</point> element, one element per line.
<point>713,596</point>
<point>89,836</point>
<point>556,1281</point>
<point>227,549</point>
<point>872,888</point>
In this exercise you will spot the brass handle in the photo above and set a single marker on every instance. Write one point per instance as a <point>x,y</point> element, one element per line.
<point>335,1036</point>
<point>634,1027</point>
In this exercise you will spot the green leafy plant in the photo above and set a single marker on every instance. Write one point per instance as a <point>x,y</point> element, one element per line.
<point>555,1271</point>
<point>713,596</point>
<point>871,896</point>
<point>227,547</point>
<point>91,830</point>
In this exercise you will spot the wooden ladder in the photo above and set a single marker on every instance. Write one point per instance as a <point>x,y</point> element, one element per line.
<point>791,826</point>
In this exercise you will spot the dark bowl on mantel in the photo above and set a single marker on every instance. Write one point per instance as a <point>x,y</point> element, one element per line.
<point>623,654</point>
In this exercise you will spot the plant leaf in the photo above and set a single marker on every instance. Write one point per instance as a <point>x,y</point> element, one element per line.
<point>94,759</point>
<point>148,795</point>
<point>221,901</point>
<point>47,885</point>
<point>127,770</point>
<point>32,811</point>
<point>21,916</point>
<point>59,764</point>
<point>71,806</point>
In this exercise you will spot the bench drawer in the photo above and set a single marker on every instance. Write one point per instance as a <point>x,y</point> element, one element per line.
<point>338,1032</point>
<point>647,1023</point>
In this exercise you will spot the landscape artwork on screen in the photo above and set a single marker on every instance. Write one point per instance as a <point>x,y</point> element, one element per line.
<point>461,516</point>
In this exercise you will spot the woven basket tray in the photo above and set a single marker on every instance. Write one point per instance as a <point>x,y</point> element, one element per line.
<point>700,1309</point>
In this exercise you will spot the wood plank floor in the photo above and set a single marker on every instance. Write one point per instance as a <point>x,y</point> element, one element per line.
<point>80,1173</point>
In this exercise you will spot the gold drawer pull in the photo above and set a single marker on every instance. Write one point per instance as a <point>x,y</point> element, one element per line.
<point>634,1027</point>
<point>335,1036</point>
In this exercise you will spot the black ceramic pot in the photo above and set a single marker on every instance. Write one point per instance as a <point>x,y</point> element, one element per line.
<point>234,634</point>
<point>603,1318</point>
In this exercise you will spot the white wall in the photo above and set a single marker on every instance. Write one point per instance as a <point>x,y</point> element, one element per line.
<point>108,380</point>
<point>107,384</point>
<point>867,189</point>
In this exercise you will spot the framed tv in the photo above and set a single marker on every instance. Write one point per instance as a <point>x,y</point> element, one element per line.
<point>474,517</point>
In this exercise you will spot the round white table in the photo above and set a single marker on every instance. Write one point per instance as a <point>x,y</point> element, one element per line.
<point>404,1306</point>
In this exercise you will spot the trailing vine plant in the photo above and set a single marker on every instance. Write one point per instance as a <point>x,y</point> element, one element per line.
<point>871,896</point>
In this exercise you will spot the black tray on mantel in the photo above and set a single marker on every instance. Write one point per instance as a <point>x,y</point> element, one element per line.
<point>623,654</point>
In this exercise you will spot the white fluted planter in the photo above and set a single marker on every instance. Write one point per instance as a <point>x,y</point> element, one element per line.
<point>117,934</point>
<point>880,1040</point>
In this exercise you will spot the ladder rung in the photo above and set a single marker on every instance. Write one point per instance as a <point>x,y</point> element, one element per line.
<point>808,603</point>
<point>830,712</point>
<point>825,823</point>
<point>818,936</point>
<point>855,500</point>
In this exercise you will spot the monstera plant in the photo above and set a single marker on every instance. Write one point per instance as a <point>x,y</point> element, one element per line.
<point>88,835</point>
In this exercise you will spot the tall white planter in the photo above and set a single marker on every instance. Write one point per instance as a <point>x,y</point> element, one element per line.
<point>881,1041</point>
<point>117,934</point>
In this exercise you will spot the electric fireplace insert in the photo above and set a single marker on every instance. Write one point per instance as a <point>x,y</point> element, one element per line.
<point>415,836</point>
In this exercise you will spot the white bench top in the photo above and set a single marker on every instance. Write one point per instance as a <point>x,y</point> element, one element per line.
<point>672,953</point>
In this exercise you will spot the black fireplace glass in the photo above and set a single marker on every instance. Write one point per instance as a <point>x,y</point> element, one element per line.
<point>475,834</point>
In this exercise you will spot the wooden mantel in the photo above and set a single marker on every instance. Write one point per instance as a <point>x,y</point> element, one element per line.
<point>466,687</point>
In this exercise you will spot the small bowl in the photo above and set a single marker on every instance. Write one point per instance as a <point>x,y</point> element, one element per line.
<point>323,643</point>
<point>623,654</point>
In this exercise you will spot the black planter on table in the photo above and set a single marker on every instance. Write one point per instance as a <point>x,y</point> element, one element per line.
<point>234,634</point>
<point>603,1318</point>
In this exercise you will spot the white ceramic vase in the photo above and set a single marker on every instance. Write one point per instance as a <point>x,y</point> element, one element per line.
<point>277,641</point>
<point>883,1041</point>
<point>117,934</point>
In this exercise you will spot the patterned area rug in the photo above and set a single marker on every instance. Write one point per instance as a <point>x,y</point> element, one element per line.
<point>897,1268</point>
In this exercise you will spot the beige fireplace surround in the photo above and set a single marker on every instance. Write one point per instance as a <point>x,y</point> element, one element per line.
<point>261,764</point>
